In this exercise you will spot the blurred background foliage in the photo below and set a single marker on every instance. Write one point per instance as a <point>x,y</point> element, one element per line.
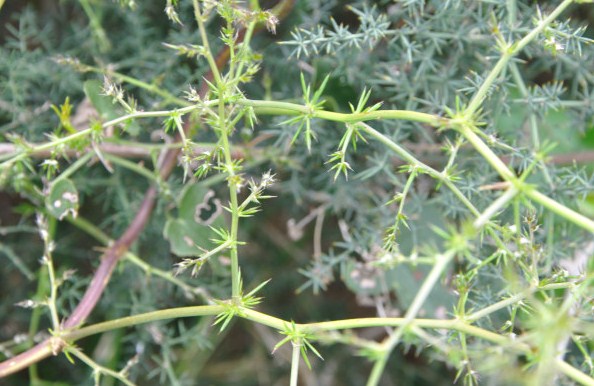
<point>320,240</point>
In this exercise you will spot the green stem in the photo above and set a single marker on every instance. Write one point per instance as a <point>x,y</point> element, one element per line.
<point>391,241</point>
<point>235,278</point>
<point>533,194</point>
<point>509,52</point>
<point>170,313</point>
<point>98,31</point>
<point>14,157</point>
<point>406,156</point>
<point>233,187</point>
<point>265,319</point>
<point>90,229</point>
<point>512,12</point>
<point>166,275</point>
<point>143,85</point>
<point>405,191</point>
<point>478,98</point>
<point>286,108</point>
<point>51,302</point>
<point>180,130</point>
<point>573,373</point>
<point>98,369</point>
<point>524,91</point>
<point>487,153</point>
<point>541,26</point>
<point>157,114</point>
<point>220,248</point>
<point>514,299</point>
<point>310,328</point>
<point>280,324</point>
<point>34,321</point>
<point>74,167</point>
<point>249,33</point>
<point>561,210</point>
<point>262,107</point>
<point>496,206</point>
<point>18,263</point>
<point>441,262</point>
<point>295,362</point>
<point>17,156</point>
<point>531,118</point>
<point>133,166</point>
<point>207,51</point>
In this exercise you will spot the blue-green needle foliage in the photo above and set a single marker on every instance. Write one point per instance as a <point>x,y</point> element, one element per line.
<point>421,168</point>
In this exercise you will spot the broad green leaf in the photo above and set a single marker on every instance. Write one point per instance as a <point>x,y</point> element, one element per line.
<point>198,211</point>
<point>200,205</point>
<point>105,107</point>
<point>185,237</point>
<point>62,199</point>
